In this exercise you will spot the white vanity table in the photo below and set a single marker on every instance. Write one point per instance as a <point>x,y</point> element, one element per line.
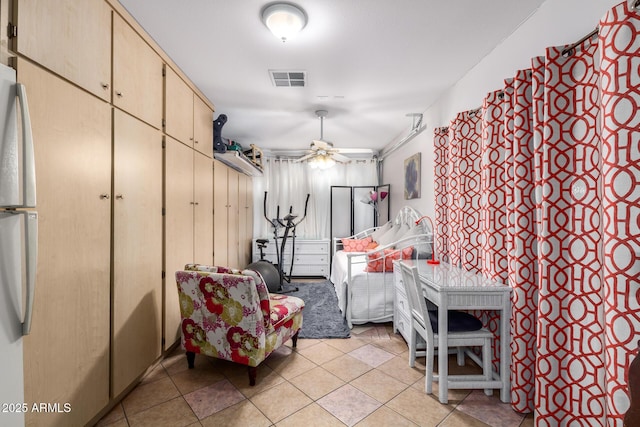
<point>453,288</point>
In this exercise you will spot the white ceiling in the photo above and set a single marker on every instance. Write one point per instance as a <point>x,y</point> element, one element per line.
<point>369,63</point>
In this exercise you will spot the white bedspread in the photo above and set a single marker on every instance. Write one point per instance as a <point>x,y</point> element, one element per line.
<point>363,297</point>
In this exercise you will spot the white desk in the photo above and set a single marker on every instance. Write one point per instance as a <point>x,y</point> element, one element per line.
<point>450,287</point>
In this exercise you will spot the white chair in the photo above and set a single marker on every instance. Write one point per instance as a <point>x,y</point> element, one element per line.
<point>422,324</point>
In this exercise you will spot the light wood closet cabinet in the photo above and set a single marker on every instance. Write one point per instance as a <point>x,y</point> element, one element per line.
<point>202,126</point>
<point>220,213</point>
<point>233,216</point>
<point>188,221</point>
<point>137,249</point>
<point>245,223</point>
<point>66,356</point>
<point>69,37</point>
<point>187,118</point>
<point>226,212</point>
<point>101,113</point>
<point>137,75</point>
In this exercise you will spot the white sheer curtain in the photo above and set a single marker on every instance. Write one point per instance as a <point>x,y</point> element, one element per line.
<point>288,182</point>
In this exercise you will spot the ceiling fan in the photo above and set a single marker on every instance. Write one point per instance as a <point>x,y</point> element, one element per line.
<point>322,153</point>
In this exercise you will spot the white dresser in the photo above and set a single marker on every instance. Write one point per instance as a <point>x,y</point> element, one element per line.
<point>311,256</point>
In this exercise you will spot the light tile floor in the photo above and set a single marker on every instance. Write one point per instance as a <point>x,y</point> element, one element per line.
<point>361,381</point>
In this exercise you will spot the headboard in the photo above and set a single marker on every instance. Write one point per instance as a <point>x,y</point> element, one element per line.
<point>406,215</point>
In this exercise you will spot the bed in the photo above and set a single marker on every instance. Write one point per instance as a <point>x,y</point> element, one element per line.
<point>362,273</point>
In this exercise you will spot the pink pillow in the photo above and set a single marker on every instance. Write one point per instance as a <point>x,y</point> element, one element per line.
<point>376,263</point>
<point>357,245</point>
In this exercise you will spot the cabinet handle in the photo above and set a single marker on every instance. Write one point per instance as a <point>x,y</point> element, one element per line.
<point>196,203</point>
<point>119,94</point>
<point>105,86</point>
<point>104,196</point>
<point>195,141</point>
<point>119,196</point>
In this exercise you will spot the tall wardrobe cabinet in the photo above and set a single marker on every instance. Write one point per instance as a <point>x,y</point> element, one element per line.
<point>67,353</point>
<point>123,201</point>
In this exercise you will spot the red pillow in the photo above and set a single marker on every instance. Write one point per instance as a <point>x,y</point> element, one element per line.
<point>357,245</point>
<point>376,263</point>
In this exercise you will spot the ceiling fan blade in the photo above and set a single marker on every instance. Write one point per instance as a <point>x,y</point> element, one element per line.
<point>340,158</point>
<point>305,157</point>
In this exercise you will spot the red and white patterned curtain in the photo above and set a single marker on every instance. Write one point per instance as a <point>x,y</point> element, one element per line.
<point>557,208</point>
<point>619,49</point>
<point>441,183</point>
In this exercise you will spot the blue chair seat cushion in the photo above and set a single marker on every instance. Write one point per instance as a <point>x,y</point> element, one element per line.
<point>459,321</point>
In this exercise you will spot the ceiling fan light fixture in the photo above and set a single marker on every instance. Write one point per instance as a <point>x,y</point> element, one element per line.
<point>284,20</point>
<point>322,162</point>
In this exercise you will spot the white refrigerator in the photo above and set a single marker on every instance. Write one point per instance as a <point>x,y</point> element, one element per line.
<point>18,243</point>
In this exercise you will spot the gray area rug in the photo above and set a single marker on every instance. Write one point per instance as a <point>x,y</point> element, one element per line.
<point>321,316</point>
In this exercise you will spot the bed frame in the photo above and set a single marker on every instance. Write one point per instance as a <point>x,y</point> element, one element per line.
<point>368,296</point>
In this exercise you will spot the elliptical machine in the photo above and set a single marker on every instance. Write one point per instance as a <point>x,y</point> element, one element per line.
<point>270,272</point>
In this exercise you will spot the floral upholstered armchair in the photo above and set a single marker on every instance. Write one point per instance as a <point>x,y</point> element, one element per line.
<point>229,314</point>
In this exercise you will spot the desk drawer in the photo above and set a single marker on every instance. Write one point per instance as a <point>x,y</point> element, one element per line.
<point>488,301</point>
<point>402,304</point>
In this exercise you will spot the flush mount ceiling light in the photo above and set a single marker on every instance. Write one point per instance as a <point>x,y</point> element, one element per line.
<point>284,20</point>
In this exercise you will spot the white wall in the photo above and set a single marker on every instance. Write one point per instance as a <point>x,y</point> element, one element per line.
<point>555,23</point>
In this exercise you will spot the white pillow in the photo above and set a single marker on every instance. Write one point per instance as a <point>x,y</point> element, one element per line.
<point>380,231</point>
<point>401,231</point>
<point>388,237</point>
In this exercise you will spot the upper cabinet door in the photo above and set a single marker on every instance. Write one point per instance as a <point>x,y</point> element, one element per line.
<point>137,75</point>
<point>71,38</point>
<point>202,127</point>
<point>178,108</point>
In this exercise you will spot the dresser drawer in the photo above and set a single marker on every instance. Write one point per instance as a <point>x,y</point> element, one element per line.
<point>312,247</point>
<point>312,259</point>
<point>310,270</point>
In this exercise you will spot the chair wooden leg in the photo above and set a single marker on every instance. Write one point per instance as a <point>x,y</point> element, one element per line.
<point>294,339</point>
<point>191,358</point>
<point>428,381</point>
<point>460,356</point>
<point>253,371</point>
<point>413,338</point>
<point>486,364</point>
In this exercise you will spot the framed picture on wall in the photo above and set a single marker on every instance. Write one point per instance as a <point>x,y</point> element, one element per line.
<point>412,177</point>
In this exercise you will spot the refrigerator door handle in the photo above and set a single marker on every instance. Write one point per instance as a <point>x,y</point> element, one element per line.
<point>31,240</point>
<point>29,163</point>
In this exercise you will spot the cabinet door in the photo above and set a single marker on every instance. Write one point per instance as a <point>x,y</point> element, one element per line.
<point>178,108</point>
<point>249,215</point>
<point>66,355</point>
<point>233,244</point>
<point>202,127</point>
<point>245,218</point>
<point>137,75</point>
<point>203,209</point>
<point>72,38</point>
<point>137,249</point>
<point>220,213</point>
<point>178,229</point>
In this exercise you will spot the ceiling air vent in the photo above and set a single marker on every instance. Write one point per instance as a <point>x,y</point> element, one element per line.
<point>288,78</point>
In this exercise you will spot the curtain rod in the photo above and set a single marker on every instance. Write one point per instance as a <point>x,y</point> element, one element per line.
<point>568,50</point>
